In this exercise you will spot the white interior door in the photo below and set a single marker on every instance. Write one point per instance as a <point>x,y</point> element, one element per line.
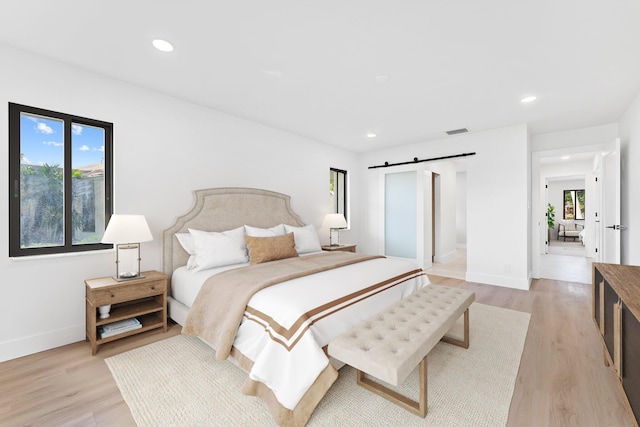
<point>610,221</point>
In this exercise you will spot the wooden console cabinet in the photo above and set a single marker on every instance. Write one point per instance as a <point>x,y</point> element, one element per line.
<point>616,310</point>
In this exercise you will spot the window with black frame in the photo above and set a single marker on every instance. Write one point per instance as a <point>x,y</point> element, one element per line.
<point>60,177</point>
<point>573,207</point>
<point>338,191</point>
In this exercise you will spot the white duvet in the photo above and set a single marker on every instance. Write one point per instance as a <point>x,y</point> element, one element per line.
<point>286,325</point>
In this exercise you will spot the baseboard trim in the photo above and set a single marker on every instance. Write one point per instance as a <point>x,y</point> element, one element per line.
<point>31,344</point>
<point>446,257</point>
<point>504,281</point>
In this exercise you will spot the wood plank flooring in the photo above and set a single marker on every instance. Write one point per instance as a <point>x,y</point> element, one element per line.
<point>561,382</point>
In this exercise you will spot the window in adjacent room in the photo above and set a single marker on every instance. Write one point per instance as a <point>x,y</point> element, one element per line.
<point>338,191</point>
<point>60,169</point>
<point>573,204</point>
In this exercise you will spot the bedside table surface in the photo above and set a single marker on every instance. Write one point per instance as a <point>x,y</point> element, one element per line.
<point>346,247</point>
<point>101,282</point>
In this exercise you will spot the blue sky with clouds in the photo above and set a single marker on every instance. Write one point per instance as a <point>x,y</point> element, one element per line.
<point>42,141</point>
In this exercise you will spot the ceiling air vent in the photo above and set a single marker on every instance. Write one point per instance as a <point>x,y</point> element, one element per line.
<point>457,131</point>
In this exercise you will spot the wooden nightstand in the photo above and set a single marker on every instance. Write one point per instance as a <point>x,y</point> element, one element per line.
<point>344,248</point>
<point>145,299</point>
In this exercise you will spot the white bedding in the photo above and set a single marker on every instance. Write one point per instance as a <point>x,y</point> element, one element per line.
<point>286,325</point>
<point>185,283</point>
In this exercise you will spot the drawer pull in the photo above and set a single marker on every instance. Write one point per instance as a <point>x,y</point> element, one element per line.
<point>113,296</point>
<point>153,288</point>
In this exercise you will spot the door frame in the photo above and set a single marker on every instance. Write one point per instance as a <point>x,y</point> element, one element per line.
<point>538,206</point>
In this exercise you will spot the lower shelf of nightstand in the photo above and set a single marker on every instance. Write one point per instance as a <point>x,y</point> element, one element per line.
<point>128,310</point>
<point>149,321</point>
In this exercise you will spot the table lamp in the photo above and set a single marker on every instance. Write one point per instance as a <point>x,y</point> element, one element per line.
<point>334,222</point>
<point>126,232</point>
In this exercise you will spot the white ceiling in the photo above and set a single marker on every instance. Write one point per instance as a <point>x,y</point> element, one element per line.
<point>310,67</point>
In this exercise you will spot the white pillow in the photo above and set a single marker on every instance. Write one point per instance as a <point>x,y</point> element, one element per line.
<point>186,241</point>
<point>306,238</point>
<point>218,249</point>
<point>278,230</point>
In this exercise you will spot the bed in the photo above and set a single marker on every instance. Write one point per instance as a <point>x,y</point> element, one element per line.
<point>273,318</point>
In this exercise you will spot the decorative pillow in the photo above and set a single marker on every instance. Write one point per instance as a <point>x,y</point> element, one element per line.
<point>306,238</point>
<point>278,230</point>
<point>263,249</point>
<point>218,249</point>
<point>186,241</point>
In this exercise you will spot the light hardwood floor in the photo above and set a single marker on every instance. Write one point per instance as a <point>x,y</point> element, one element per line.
<point>565,261</point>
<point>561,382</point>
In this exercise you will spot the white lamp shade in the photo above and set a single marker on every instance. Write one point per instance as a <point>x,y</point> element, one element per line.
<point>127,229</point>
<point>334,221</point>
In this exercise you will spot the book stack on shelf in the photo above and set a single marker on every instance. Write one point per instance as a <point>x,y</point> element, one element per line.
<point>119,327</point>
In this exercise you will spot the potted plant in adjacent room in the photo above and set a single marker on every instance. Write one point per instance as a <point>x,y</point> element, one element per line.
<point>551,220</point>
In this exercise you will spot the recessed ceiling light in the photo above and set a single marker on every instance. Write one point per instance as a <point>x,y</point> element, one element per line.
<point>528,99</point>
<point>565,157</point>
<point>371,135</point>
<point>382,79</point>
<point>163,45</point>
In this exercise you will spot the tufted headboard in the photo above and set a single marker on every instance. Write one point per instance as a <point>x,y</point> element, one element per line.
<point>221,209</point>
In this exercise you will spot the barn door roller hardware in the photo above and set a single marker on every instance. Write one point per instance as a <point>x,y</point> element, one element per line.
<point>416,160</point>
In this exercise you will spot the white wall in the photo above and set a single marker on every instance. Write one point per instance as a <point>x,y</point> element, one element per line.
<point>497,199</point>
<point>574,137</point>
<point>630,197</point>
<point>461,209</point>
<point>163,149</point>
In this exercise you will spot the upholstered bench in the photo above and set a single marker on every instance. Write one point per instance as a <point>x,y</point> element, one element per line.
<point>389,345</point>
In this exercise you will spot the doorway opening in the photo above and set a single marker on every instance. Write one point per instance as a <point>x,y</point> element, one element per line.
<point>450,234</point>
<point>558,175</point>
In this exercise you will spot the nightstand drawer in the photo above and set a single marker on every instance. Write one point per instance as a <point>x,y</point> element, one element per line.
<point>128,292</point>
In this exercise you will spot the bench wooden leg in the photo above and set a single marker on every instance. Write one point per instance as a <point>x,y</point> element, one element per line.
<point>464,343</point>
<point>419,408</point>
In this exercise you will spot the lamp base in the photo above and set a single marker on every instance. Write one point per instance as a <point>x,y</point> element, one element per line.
<point>123,278</point>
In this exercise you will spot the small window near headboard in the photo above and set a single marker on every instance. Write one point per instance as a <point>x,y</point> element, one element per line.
<point>338,191</point>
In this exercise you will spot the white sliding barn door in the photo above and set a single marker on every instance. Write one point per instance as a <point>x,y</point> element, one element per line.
<point>406,234</point>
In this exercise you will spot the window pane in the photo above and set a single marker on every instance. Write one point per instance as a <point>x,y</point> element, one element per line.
<point>341,193</point>
<point>41,181</point>
<point>87,163</point>
<point>333,193</point>
<point>580,204</point>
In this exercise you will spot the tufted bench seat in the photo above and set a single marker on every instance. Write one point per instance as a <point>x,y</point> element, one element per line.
<point>389,345</point>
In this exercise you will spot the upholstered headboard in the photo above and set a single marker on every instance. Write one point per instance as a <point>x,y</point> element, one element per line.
<point>221,209</point>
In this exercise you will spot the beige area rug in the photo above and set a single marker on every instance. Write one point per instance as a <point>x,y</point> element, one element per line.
<point>177,382</point>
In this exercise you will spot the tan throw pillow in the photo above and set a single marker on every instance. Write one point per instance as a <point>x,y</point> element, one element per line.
<point>263,249</point>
